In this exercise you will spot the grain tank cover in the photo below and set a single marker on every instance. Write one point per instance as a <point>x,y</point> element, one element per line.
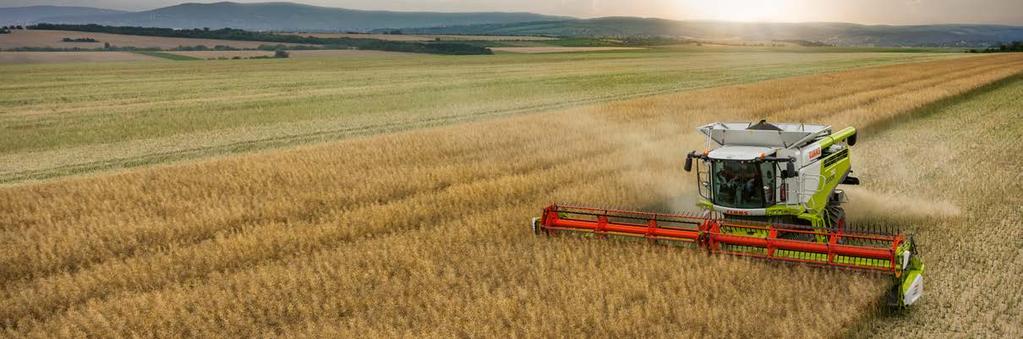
<point>740,152</point>
<point>763,134</point>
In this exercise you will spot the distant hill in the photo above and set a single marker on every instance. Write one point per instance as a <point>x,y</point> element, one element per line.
<point>284,16</point>
<point>33,14</point>
<point>839,34</point>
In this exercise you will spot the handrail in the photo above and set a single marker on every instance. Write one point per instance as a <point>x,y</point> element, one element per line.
<point>821,181</point>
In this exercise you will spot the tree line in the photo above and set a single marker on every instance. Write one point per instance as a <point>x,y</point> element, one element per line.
<point>79,40</point>
<point>8,29</point>
<point>450,48</point>
<point>1015,46</point>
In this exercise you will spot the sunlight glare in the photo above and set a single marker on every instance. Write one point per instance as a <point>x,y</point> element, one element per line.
<point>743,10</point>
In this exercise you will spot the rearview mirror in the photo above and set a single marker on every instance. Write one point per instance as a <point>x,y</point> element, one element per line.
<point>689,163</point>
<point>790,171</point>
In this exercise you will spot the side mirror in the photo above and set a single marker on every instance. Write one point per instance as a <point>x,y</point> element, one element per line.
<point>851,140</point>
<point>790,171</point>
<point>689,163</point>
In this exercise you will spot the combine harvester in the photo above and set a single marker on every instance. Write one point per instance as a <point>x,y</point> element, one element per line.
<point>767,191</point>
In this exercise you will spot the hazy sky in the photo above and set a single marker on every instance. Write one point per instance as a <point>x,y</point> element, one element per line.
<point>859,11</point>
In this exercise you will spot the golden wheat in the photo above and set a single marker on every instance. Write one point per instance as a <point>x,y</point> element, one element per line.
<point>423,232</point>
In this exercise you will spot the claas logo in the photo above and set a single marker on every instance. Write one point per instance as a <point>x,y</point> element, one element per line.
<point>814,153</point>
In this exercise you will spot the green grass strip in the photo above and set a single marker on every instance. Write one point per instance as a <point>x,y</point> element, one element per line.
<point>168,56</point>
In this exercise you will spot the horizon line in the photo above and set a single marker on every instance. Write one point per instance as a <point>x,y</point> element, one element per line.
<point>567,17</point>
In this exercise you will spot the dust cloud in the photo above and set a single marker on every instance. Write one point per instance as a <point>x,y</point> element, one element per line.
<point>865,204</point>
<point>650,159</point>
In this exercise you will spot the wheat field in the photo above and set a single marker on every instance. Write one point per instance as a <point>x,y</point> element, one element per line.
<point>72,119</point>
<point>424,232</point>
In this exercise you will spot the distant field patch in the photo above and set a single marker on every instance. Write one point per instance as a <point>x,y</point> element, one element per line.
<point>69,57</point>
<point>402,37</point>
<point>293,54</point>
<point>345,53</point>
<point>537,50</point>
<point>223,54</point>
<point>54,39</point>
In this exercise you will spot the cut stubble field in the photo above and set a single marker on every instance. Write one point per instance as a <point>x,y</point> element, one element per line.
<point>957,159</point>
<point>61,120</point>
<point>424,232</point>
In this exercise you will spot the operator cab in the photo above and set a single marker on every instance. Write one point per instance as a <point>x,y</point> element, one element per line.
<point>740,177</point>
<point>748,164</point>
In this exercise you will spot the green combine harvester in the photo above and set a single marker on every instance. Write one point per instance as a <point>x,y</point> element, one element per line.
<point>767,191</point>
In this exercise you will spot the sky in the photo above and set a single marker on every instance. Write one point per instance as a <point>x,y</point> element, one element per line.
<point>896,12</point>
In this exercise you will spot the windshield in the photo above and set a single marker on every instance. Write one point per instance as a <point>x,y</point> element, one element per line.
<point>742,184</point>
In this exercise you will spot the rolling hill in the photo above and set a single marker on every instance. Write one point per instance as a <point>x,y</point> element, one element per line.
<point>284,16</point>
<point>33,14</point>
<point>841,34</point>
